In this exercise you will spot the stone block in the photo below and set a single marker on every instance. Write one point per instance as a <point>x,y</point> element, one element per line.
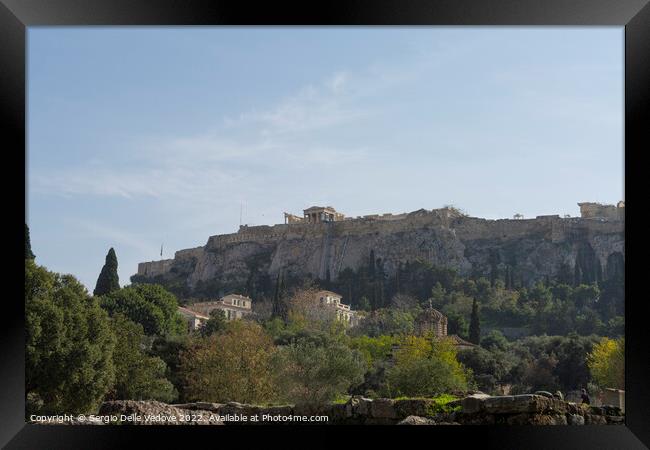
<point>573,408</point>
<point>479,418</point>
<point>593,419</point>
<point>413,407</point>
<point>358,406</point>
<point>337,413</point>
<point>473,403</point>
<point>514,404</point>
<point>596,410</point>
<point>575,419</point>
<point>615,420</point>
<point>383,408</point>
<point>612,410</point>
<point>239,408</point>
<point>416,420</point>
<point>536,419</point>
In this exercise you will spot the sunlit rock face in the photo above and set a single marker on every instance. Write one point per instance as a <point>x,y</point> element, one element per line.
<point>582,249</point>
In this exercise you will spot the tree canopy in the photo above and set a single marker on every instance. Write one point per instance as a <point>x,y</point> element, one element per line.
<point>231,366</point>
<point>138,376</point>
<point>150,305</point>
<point>607,363</point>
<point>69,343</point>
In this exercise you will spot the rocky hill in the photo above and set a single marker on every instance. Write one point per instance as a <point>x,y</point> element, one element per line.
<point>533,248</point>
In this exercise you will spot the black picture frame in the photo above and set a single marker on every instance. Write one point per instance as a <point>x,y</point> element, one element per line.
<point>634,15</point>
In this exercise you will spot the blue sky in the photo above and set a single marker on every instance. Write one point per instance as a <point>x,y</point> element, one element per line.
<point>143,136</point>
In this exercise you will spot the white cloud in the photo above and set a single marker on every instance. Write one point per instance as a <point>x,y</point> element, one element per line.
<point>219,163</point>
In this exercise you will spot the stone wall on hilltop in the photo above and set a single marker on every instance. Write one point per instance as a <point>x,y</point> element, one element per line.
<point>536,248</point>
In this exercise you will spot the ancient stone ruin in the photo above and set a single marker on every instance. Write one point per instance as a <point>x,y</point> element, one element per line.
<point>475,409</point>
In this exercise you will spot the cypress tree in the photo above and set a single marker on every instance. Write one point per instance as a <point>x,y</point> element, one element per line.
<point>475,325</point>
<point>280,309</point>
<point>108,280</point>
<point>371,265</point>
<point>493,274</point>
<point>577,275</point>
<point>28,245</point>
<point>397,273</point>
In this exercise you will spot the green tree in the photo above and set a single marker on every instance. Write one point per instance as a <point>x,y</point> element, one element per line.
<point>374,349</point>
<point>28,245</point>
<point>457,324</point>
<point>489,367</point>
<point>585,295</point>
<point>572,351</point>
<point>364,304</point>
<point>475,325</point>
<point>215,324</point>
<point>386,322</point>
<point>138,376</point>
<point>495,340</point>
<point>169,349</point>
<point>313,374</point>
<point>69,344</point>
<point>425,367</point>
<point>539,374</point>
<point>231,366</point>
<point>108,280</point>
<point>150,305</point>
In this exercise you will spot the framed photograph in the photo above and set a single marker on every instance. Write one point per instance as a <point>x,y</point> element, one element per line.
<point>360,214</point>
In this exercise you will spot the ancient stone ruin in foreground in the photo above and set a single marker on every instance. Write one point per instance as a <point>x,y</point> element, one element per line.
<point>476,409</point>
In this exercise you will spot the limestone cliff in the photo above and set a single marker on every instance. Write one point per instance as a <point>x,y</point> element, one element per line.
<point>537,248</point>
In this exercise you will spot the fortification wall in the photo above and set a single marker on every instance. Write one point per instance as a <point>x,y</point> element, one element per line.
<point>552,227</point>
<point>155,268</point>
<point>386,223</point>
<point>189,253</point>
<point>443,237</point>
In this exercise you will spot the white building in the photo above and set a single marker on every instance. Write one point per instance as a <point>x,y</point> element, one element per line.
<point>343,312</point>
<point>194,320</point>
<point>234,306</point>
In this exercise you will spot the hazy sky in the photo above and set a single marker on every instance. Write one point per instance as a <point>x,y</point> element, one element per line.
<point>143,136</point>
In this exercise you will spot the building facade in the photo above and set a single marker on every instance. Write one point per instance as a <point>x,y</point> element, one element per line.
<point>315,214</point>
<point>194,319</point>
<point>329,299</point>
<point>234,306</point>
<point>431,321</point>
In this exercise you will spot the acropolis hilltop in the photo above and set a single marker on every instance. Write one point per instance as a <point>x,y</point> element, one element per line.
<point>323,241</point>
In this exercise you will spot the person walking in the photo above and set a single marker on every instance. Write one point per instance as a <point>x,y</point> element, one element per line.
<point>585,397</point>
